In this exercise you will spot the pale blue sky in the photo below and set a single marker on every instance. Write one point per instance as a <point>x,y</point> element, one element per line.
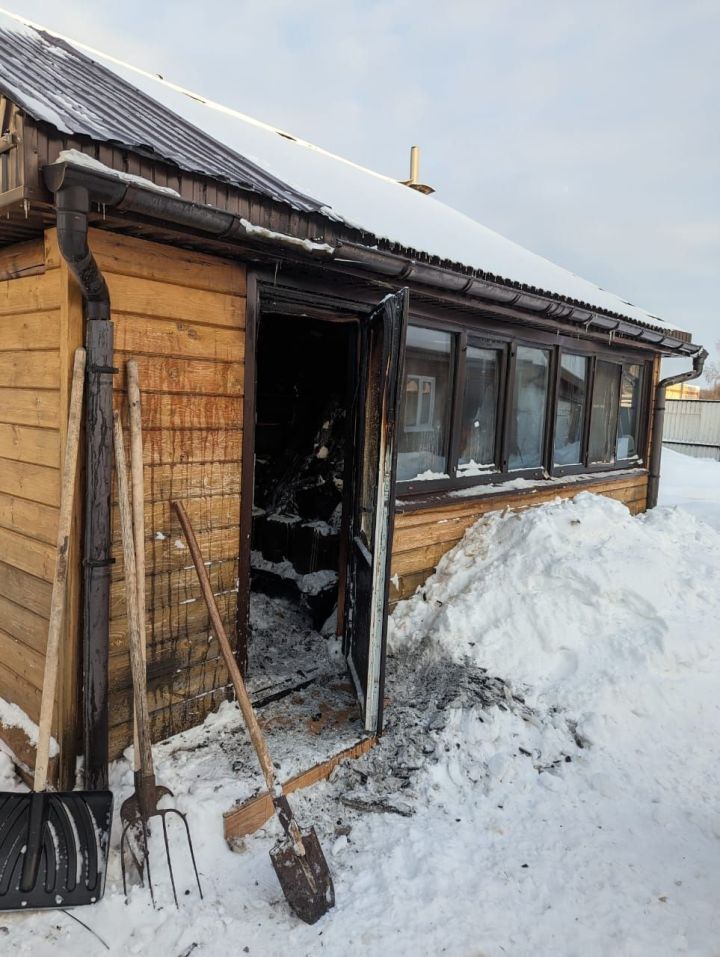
<point>587,131</point>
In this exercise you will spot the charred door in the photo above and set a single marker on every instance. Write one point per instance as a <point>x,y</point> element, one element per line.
<point>382,343</point>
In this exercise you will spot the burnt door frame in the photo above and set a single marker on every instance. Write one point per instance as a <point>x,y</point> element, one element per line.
<point>266,294</point>
<point>370,555</point>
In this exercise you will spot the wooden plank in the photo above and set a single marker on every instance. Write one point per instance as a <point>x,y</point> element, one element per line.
<point>171,554</point>
<point>27,554</point>
<point>130,256</point>
<point>417,559</point>
<point>29,294</point>
<point>205,513</point>
<point>167,690</point>
<point>169,721</point>
<point>162,300</point>
<point>68,692</point>
<point>198,411</point>
<point>28,518</point>
<point>23,625</point>
<point>169,446</point>
<point>165,658</point>
<point>172,630</point>
<point>30,407</point>
<point>245,818</point>
<point>177,375</point>
<point>170,589</point>
<point>21,659</point>
<point>22,259</point>
<point>22,369</point>
<point>493,502</point>
<point>29,444</point>
<point>190,480</point>
<point>35,592</point>
<point>36,483</point>
<point>23,753</point>
<point>31,331</point>
<point>17,690</point>
<point>407,584</point>
<point>139,336</point>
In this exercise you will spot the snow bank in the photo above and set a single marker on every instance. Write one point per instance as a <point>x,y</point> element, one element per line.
<point>573,600</point>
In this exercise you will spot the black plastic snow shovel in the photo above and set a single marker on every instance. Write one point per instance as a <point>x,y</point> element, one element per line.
<point>298,859</point>
<point>53,846</point>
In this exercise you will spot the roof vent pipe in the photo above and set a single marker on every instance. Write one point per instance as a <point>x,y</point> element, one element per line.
<point>414,181</point>
<point>659,421</point>
<point>73,205</point>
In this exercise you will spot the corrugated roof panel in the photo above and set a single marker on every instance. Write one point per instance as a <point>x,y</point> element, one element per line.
<point>55,83</point>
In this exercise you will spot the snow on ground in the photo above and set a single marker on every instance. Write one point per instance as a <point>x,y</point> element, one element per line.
<point>548,783</point>
<point>693,487</point>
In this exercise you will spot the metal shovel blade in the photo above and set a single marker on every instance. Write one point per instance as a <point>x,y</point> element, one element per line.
<point>53,848</point>
<point>305,879</point>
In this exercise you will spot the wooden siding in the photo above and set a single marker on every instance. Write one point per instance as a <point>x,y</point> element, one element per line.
<point>423,536</point>
<point>181,315</point>
<point>33,330</point>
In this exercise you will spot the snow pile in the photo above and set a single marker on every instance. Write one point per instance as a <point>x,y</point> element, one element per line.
<point>572,598</point>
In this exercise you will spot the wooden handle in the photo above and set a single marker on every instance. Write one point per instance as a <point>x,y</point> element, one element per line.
<point>137,665</point>
<point>246,707</point>
<point>138,505</point>
<point>57,601</point>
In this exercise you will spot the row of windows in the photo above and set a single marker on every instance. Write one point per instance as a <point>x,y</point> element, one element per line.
<point>478,408</point>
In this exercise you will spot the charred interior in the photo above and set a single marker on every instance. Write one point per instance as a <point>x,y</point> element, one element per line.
<point>303,394</point>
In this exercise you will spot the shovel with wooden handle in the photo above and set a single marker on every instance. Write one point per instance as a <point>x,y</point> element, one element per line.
<point>53,846</point>
<point>141,807</point>
<point>298,859</point>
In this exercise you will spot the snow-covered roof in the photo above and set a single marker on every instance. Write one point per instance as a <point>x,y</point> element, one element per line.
<point>57,83</point>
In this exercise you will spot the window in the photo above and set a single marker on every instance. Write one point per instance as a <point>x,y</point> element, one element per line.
<point>423,439</point>
<point>604,414</point>
<point>477,408</point>
<point>628,437</point>
<point>570,411</point>
<point>529,404</point>
<point>478,423</point>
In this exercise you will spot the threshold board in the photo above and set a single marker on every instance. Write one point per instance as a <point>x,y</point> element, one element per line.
<point>247,817</point>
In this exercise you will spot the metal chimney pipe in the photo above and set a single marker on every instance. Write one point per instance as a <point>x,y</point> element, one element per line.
<point>414,165</point>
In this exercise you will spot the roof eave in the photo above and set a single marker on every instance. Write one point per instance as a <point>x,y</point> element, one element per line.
<point>110,191</point>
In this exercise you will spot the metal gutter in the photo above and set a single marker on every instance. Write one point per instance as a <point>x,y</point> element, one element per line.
<point>73,205</point>
<point>109,190</point>
<point>476,288</point>
<point>659,422</point>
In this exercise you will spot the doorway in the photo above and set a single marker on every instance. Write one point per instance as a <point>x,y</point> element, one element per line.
<point>326,394</point>
<point>304,405</point>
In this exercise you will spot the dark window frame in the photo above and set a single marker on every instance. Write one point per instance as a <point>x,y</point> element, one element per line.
<point>483,333</point>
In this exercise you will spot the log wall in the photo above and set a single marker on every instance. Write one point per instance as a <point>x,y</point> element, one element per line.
<point>423,536</point>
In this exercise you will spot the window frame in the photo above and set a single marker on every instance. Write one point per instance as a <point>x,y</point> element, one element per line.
<point>483,333</point>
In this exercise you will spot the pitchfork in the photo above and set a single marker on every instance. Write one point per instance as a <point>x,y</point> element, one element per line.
<point>137,811</point>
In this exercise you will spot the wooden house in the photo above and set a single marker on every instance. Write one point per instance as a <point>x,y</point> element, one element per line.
<point>340,374</point>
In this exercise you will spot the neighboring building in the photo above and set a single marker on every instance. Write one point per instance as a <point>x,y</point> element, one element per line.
<point>335,366</point>
<point>683,390</point>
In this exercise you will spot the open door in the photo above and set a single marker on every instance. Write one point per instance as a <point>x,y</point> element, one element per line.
<point>373,509</point>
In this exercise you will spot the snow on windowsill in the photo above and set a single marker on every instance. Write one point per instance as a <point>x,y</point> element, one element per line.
<point>536,485</point>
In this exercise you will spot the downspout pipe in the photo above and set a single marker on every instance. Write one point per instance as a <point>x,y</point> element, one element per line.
<point>72,207</point>
<point>659,422</point>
